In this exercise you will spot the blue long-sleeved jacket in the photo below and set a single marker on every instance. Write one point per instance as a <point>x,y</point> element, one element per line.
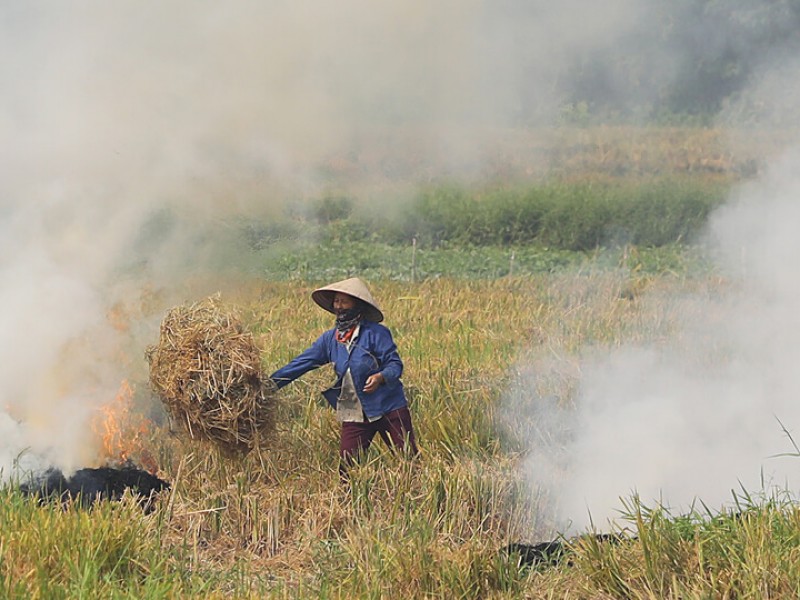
<point>374,351</point>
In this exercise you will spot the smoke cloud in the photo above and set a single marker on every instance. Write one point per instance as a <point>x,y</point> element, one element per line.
<point>711,412</point>
<point>134,135</point>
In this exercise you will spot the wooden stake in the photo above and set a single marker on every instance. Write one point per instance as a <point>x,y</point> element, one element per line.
<point>413,260</point>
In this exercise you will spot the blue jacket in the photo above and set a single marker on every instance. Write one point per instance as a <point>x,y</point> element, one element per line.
<point>374,351</point>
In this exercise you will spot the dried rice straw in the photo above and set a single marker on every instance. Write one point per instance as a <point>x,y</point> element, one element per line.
<point>206,369</point>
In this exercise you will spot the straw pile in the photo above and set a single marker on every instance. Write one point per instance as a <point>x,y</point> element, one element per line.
<point>207,371</point>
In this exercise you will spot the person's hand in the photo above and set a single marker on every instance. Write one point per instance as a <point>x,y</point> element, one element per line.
<point>373,382</point>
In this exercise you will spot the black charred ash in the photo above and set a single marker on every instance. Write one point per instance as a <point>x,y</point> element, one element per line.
<point>87,486</point>
<point>556,552</point>
<point>532,555</point>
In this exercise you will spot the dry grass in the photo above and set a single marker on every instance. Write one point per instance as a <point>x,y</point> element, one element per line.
<point>400,529</point>
<point>277,522</point>
<point>598,151</point>
<point>206,368</point>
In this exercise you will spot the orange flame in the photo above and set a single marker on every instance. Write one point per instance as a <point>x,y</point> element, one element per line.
<point>119,318</point>
<point>123,432</point>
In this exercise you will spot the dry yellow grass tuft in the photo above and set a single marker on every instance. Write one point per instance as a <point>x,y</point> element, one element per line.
<point>206,368</point>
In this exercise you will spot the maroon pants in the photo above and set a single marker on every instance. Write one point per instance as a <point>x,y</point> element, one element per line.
<point>394,427</point>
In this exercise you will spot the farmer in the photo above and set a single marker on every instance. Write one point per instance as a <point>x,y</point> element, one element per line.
<point>368,395</point>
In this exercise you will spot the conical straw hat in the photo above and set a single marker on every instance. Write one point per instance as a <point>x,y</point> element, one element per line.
<point>352,287</point>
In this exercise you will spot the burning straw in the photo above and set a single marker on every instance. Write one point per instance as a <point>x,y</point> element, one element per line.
<point>207,370</point>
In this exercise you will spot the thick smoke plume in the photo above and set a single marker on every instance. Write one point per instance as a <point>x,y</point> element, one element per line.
<point>710,413</point>
<point>135,135</point>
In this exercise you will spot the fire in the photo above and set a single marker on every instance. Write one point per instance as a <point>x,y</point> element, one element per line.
<point>119,317</point>
<point>122,432</point>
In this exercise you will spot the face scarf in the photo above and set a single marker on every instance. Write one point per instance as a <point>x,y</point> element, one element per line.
<point>346,323</point>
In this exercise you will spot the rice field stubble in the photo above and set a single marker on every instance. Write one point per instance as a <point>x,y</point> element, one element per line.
<point>278,523</point>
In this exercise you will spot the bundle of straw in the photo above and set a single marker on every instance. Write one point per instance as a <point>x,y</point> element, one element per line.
<point>207,371</point>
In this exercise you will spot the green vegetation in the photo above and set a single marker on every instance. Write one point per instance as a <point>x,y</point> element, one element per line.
<point>574,216</point>
<point>111,551</point>
<point>376,261</point>
<point>643,225</point>
<point>570,216</point>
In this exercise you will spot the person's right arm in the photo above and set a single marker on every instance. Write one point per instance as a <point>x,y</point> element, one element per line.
<point>312,358</point>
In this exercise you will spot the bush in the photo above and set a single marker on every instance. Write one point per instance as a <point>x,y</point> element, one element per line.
<point>569,216</point>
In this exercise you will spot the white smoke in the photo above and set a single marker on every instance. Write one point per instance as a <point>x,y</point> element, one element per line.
<point>133,134</point>
<point>711,411</point>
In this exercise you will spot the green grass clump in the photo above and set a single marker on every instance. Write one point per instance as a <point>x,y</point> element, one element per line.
<point>50,551</point>
<point>379,261</point>
<point>563,215</point>
<point>557,217</point>
<point>746,553</point>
